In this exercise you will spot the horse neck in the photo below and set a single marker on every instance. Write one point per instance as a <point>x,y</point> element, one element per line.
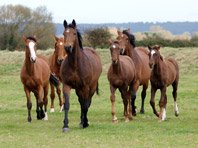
<point>158,69</point>
<point>116,68</point>
<point>28,64</point>
<point>132,52</point>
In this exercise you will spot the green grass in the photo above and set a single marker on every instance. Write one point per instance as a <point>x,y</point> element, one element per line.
<point>144,131</point>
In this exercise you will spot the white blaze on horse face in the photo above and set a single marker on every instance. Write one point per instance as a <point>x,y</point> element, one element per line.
<point>67,30</point>
<point>152,52</point>
<point>114,46</point>
<point>61,43</point>
<point>32,51</point>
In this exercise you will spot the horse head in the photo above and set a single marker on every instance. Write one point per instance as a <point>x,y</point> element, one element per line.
<point>115,51</point>
<point>30,43</point>
<point>59,50</point>
<point>154,55</point>
<point>72,37</point>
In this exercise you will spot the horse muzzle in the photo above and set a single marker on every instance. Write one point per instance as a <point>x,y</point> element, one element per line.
<point>33,60</point>
<point>114,61</point>
<point>59,61</point>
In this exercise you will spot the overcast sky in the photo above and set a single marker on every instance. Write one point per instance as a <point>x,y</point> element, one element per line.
<point>115,11</point>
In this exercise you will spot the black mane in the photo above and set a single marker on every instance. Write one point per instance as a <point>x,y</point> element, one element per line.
<point>78,35</point>
<point>130,36</point>
<point>31,38</point>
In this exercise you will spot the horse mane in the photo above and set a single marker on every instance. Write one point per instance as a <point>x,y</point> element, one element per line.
<point>31,38</point>
<point>78,35</point>
<point>131,37</point>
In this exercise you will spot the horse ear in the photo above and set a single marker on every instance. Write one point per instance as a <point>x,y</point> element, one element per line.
<point>128,30</point>
<point>65,23</point>
<point>149,47</point>
<point>110,41</point>
<point>24,38</point>
<point>56,38</point>
<point>158,47</point>
<point>119,32</point>
<point>74,23</point>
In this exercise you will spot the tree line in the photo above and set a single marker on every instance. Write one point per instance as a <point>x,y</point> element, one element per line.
<point>17,21</point>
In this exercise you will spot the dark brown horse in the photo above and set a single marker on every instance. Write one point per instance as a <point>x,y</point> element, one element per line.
<point>55,61</point>
<point>164,72</point>
<point>141,60</point>
<point>121,75</point>
<point>35,75</point>
<point>80,70</point>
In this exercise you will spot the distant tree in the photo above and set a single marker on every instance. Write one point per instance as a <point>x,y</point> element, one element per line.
<point>17,20</point>
<point>97,37</point>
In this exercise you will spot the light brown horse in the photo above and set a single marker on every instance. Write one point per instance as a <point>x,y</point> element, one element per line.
<point>80,70</point>
<point>121,75</point>
<point>164,72</point>
<point>55,61</point>
<point>35,75</point>
<point>140,58</point>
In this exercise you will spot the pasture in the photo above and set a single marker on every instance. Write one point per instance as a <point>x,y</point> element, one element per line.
<point>143,131</point>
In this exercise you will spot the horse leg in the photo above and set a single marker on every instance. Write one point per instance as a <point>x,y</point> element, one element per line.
<point>152,101</point>
<point>162,104</point>
<point>40,102</point>
<point>66,93</point>
<point>85,104</point>
<point>58,91</point>
<point>45,101</point>
<point>52,96</point>
<point>125,102</point>
<point>112,98</point>
<point>29,103</point>
<point>133,97</point>
<point>143,95</point>
<point>174,93</point>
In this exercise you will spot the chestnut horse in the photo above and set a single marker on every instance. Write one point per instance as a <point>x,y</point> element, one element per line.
<point>141,60</point>
<point>164,72</point>
<point>35,75</point>
<point>80,70</point>
<point>121,75</point>
<point>55,61</point>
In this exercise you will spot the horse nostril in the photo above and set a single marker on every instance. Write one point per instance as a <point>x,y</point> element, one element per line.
<point>68,48</point>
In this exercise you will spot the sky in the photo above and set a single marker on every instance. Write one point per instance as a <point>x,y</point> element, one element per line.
<point>115,11</point>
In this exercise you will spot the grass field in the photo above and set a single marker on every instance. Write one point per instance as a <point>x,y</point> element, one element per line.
<point>143,131</point>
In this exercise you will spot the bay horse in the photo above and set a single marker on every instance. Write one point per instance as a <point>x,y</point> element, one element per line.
<point>140,58</point>
<point>80,70</point>
<point>35,74</point>
<point>55,61</point>
<point>122,76</point>
<point>164,72</point>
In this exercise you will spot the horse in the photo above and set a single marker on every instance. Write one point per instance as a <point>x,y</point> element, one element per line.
<point>35,74</point>
<point>121,75</point>
<point>55,61</point>
<point>80,70</point>
<point>164,72</point>
<point>140,58</point>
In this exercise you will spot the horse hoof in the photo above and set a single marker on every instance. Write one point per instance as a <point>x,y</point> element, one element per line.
<point>176,114</point>
<point>85,125</point>
<point>52,110</point>
<point>66,129</point>
<point>141,111</point>
<point>46,117</point>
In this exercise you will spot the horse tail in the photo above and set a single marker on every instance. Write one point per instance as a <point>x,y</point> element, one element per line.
<point>54,80</point>
<point>97,89</point>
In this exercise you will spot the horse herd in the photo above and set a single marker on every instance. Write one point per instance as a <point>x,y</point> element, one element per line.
<point>79,68</point>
